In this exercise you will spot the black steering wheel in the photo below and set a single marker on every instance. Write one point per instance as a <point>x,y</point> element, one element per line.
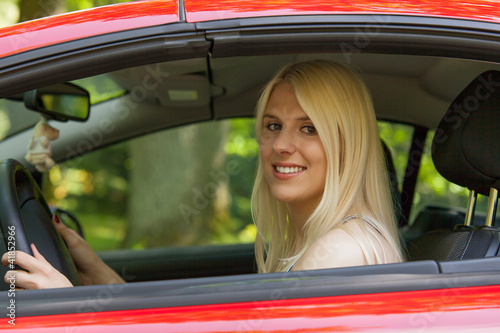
<point>24,209</point>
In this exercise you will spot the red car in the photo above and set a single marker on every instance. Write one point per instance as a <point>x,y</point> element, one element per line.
<point>159,71</point>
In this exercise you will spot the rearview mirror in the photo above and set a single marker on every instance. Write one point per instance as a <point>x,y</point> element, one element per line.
<point>62,102</point>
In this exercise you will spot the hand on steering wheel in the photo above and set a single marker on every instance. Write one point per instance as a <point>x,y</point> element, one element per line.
<point>24,210</point>
<point>91,269</point>
<point>38,273</point>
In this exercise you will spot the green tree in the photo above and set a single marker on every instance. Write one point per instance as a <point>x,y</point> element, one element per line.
<point>177,195</point>
<point>34,9</point>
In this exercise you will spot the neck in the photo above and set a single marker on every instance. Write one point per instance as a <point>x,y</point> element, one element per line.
<point>299,216</point>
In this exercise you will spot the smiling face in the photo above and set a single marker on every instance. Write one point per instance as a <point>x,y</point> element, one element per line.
<point>292,155</point>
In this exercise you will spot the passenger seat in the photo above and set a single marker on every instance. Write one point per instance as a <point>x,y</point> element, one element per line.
<point>466,151</point>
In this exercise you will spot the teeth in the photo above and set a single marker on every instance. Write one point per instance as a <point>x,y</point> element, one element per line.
<point>289,170</point>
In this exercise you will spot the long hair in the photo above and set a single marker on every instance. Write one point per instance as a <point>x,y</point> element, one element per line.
<point>339,104</point>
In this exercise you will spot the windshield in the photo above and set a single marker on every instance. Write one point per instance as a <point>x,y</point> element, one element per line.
<point>15,117</point>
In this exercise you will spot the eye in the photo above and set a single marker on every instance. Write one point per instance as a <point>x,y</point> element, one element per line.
<point>309,129</point>
<point>273,127</point>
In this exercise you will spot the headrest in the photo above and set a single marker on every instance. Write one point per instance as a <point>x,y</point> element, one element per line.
<point>466,146</point>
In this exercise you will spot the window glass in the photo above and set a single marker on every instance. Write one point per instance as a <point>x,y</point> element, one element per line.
<point>192,186</point>
<point>398,138</point>
<point>14,117</point>
<point>434,190</point>
<point>185,186</point>
<point>100,87</point>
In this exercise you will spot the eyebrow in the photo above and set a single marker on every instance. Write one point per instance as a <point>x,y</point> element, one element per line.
<point>274,117</point>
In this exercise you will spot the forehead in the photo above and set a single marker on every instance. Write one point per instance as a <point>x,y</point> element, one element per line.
<point>283,103</point>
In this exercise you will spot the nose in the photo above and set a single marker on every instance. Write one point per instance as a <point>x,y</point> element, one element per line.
<point>284,142</point>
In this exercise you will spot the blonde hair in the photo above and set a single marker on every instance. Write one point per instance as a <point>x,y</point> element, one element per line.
<point>339,104</point>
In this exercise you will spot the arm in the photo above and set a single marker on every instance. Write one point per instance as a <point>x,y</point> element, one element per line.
<point>40,274</point>
<point>90,266</point>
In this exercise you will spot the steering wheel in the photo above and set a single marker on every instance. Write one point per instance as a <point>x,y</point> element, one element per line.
<point>24,209</point>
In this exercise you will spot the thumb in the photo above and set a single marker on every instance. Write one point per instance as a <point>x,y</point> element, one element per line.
<point>37,254</point>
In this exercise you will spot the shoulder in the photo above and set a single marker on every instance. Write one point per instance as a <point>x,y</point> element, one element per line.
<point>337,248</point>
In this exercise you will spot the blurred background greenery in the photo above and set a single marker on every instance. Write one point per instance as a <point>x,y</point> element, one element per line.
<point>13,11</point>
<point>178,197</point>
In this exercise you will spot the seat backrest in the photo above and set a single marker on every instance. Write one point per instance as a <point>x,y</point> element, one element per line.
<point>466,146</point>
<point>458,243</point>
<point>466,151</point>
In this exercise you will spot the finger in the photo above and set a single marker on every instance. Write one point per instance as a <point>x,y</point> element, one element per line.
<point>37,254</point>
<point>83,256</point>
<point>21,280</point>
<point>5,259</point>
<point>71,238</point>
<point>10,277</point>
<point>28,262</point>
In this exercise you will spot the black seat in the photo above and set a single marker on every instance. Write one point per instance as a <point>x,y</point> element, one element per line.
<point>466,151</point>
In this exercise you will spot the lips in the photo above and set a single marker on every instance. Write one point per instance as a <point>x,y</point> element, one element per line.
<point>286,170</point>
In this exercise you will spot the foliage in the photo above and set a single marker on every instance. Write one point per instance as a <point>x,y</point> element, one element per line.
<point>73,5</point>
<point>398,138</point>
<point>432,189</point>
<point>95,187</point>
<point>10,10</point>
<point>100,88</point>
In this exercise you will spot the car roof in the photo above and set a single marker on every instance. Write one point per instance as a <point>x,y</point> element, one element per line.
<point>65,27</point>
<point>139,14</point>
<point>200,11</point>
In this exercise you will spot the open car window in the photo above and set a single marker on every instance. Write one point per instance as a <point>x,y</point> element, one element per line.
<point>191,186</point>
<point>185,186</point>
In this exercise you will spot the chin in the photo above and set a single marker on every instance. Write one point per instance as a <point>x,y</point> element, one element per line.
<point>285,197</point>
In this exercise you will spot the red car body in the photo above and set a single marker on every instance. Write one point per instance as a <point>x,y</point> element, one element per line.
<point>446,309</point>
<point>441,310</point>
<point>138,14</point>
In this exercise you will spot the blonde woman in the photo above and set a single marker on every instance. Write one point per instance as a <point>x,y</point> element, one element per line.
<point>321,197</point>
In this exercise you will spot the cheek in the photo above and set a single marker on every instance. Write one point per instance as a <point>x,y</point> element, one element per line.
<point>265,148</point>
<point>319,157</point>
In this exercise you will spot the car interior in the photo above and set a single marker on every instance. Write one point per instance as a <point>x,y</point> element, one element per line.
<point>458,157</point>
<point>416,90</point>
